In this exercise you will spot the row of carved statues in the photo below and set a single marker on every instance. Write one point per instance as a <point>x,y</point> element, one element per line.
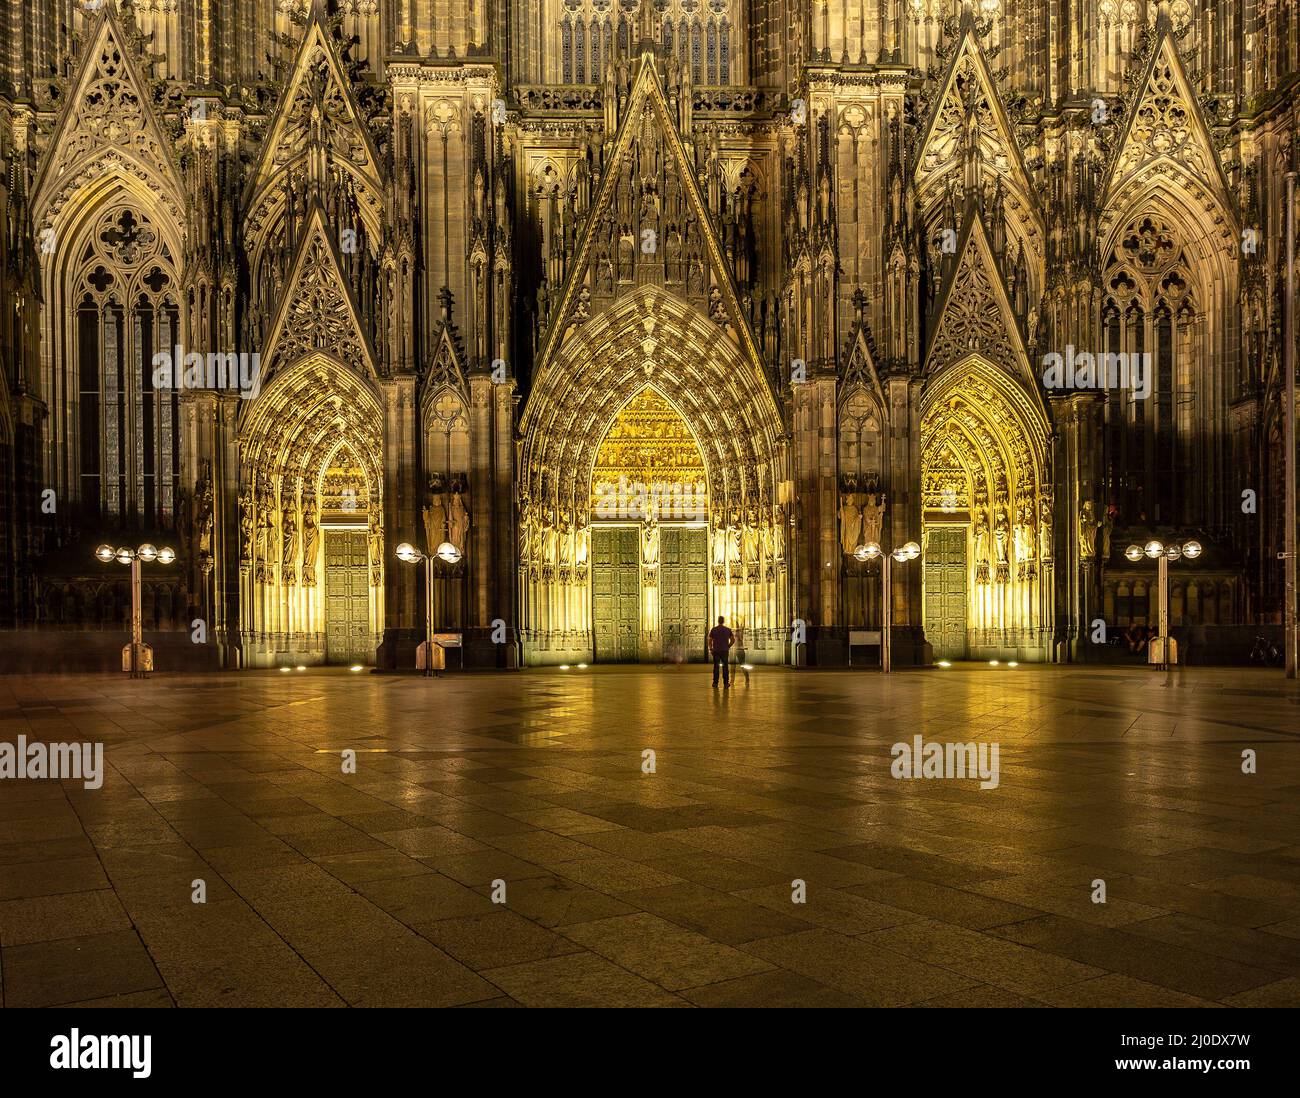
<point>561,536</point>
<point>296,545</point>
<point>1002,543</point>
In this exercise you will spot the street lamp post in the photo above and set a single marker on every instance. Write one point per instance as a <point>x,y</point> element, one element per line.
<point>409,554</point>
<point>137,657</point>
<point>1289,639</point>
<point>1161,553</point>
<point>870,551</point>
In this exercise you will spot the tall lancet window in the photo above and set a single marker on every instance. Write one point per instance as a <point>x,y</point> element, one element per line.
<point>127,436</point>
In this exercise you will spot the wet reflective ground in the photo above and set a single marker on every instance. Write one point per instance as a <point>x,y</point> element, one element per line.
<point>620,886</point>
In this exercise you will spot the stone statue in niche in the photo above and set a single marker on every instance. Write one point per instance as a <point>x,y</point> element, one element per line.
<point>1107,528</point>
<point>550,536</point>
<point>766,541</point>
<point>873,518</point>
<point>245,527</point>
<point>289,542</point>
<point>1045,529</point>
<point>582,539</point>
<point>750,537</point>
<point>733,536</point>
<point>265,535</point>
<point>1001,535</point>
<point>310,539</point>
<point>565,541</point>
<point>650,542</point>
<point>1025,541</point>
<point>850,521</point>
<point>1088,525</point>
<point>204,519</point>
<point>376,539</point>
<point>982,546</point>
<point>525,530</point>
<point>458,516</point>
<point>435,514</point>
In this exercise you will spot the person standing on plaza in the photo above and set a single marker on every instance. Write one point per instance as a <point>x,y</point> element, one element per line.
<point>720,641</point>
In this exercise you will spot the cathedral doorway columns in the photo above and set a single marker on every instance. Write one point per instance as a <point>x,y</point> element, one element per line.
<point>987,517</point>
<point>655,354</point>
<point>1081,545</point>
<point>312,516</point>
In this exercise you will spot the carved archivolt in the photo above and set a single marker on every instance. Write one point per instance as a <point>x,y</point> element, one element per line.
<point>303,416</point>
<point>650,338</point>
<point>984,466</point>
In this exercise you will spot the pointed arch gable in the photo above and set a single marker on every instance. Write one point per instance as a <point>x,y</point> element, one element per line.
<point>446,367</point>
<point>317,312</point>
<point>860,367</point>
<point>968,88</point>
<point>647,104</point>
<point>975,314</point>
<point>317,78</point>
<point>1165,131</point>
<point>107,126</point>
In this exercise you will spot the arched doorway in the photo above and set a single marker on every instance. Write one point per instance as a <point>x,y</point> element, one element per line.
<point>987,517</point>
<point>649,536</point>
<point>311,519</point>
<point>654,391</point>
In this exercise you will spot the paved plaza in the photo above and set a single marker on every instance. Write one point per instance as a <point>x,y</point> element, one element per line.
<point>501,841</point>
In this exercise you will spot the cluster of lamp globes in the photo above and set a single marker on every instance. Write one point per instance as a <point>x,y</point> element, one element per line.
<point>411,555</point>
<point>1156,549</point>
<point>125,554</point>
<point>872,550</point>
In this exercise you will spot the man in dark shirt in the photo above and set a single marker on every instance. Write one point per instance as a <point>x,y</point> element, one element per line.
<point>720,641</point>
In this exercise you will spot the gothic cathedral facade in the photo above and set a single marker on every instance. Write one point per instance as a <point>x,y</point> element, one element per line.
<point>628,314</point>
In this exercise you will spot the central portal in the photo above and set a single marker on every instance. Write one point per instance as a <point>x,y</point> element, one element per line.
<point>650,541</point>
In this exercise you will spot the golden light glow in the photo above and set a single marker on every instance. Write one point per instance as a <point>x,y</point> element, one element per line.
<point>649,444</point>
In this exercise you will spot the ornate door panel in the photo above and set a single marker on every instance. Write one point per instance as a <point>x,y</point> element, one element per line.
<point>946,591</point>
<point>347,597</point>
<point>683,591</point>
<point>616,592</point>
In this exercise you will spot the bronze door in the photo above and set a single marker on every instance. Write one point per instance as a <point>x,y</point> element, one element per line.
<point>616,592</point>
<point>683,592</point>
<point>347,597</point>
<point>946,591</point>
